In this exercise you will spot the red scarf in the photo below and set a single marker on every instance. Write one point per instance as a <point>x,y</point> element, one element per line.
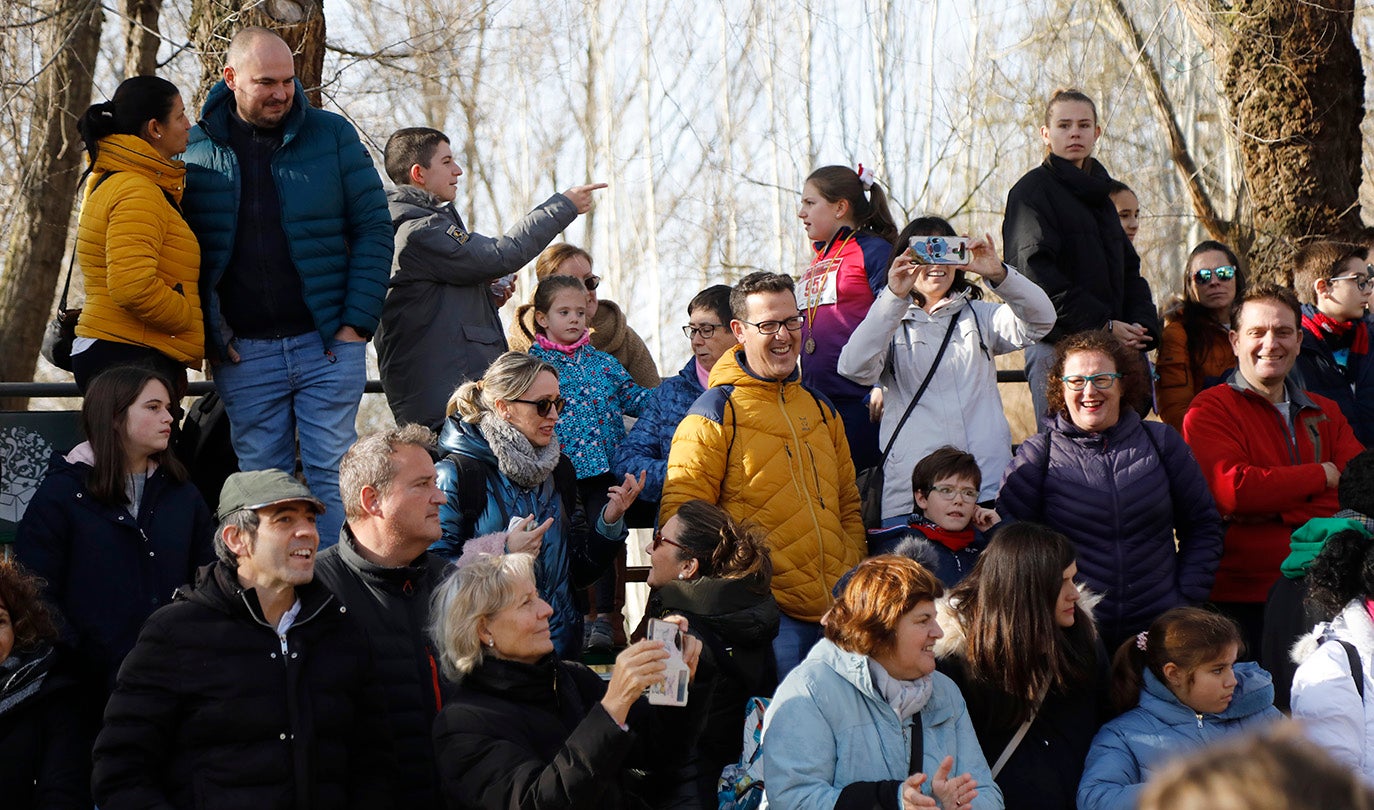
<point>567,348</point>
<point>954,541</point>
<point>1337,333</point>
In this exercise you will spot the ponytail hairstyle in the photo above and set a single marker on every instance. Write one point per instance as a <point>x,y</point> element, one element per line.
<point>137,100</point>
<point>870,211</point>
<point>104,414</point>
<point>1188,637</point>
<point>931,226</point>
<point>549,288</point>
<point>1068,94</point>
<point>722,548</point>
<point>508,377</point>
<point>1006,606</point>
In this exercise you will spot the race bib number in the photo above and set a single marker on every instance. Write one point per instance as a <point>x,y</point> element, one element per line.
<point>819,285</point>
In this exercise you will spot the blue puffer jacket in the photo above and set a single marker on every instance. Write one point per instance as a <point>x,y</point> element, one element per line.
<point>105,570</point>
<point>1351,387</point>
<point>1120,496</point>
<point>1131,748</point>
<point>646,446</point>
<point>333,210</point>
<point>572,556</point>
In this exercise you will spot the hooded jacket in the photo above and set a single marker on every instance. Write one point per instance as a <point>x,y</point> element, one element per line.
<point>1267,479</point>
<point>646,446</point>
<point>1351,387</point>
<point>332,209</point>
<point>829,729</point>
<point>392,607</point>
<point>600,393</point>
<point>1063,232</point>
<point>894,347</point>
<point>105,570</point>
<point>139,259</point>
<point>529,736</point>
<point>773,453</point>
<point>1136,745</point>
<point>439,325</point>
<point>1123,496</point>
<point>1324,696</point>
<point>611,333</point>
<point>214,710</point>
<point>573,553</point>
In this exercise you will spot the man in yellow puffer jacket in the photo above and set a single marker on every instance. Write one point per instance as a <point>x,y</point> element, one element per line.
<point>770,451</point>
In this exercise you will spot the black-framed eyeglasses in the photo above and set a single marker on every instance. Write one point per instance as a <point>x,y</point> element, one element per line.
<point>542,406</point>
<point>1362,282</point>
<point>1224,273</point>
<point>591,282</point>
<point>706,330</point>
<point>659,540</point>
<point>792,324</point>
<point>1102,381</point>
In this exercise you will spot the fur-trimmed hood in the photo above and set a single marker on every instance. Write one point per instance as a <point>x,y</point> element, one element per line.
<point>954,642</point>
<point>1352,624</point>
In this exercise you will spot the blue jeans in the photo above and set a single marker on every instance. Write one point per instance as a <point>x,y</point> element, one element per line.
<point>794,640</point>
<point>1039,359</point>
<point>284,388</point>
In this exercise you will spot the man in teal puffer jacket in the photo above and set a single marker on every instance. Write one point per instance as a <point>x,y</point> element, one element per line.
<point>296,251</point>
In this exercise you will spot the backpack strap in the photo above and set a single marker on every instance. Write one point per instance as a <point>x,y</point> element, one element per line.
<point>565,483</point>
<point>473,476</point>
<point>1356,667</point>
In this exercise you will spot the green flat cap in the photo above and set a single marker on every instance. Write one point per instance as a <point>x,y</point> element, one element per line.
<point>259,488</point>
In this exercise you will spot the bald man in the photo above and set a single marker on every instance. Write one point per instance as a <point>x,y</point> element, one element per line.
<point>296,247</point>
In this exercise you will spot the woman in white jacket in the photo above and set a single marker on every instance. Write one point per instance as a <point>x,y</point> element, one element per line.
<point>896,343</point>
<point>1333,684</point>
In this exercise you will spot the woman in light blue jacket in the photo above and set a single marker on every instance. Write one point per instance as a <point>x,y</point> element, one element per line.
<point>840,729</point>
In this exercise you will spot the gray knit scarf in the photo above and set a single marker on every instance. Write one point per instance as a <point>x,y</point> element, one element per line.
<point>905,697</point>
<point>517,459</point>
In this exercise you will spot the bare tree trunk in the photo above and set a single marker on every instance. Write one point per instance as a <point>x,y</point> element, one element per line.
<point>1295,86</point>
<point>300,22</point>
<point>141,37</point>
<point>47,183</point>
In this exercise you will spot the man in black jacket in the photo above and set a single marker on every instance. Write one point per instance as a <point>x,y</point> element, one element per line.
<point>254,688</point>
<point>382,571</point>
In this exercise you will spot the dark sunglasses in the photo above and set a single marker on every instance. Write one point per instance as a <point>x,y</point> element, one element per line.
<point>1204,276</point>
<point>659,540</point>
<point>591,282</point>
<point>542,406</point>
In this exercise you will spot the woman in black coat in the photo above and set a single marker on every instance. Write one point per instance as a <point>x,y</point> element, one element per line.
<point>44,756</point>
<point>1024,652</point>
<point>526,730</point>
<point>716,573</point>
<point>116,526</point>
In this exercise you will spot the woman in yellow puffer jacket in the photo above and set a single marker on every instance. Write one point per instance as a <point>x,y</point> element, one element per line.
<point>139,258</point>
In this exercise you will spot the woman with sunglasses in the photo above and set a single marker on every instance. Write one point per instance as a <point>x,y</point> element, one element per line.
<point>1195,350</point>
<point>611,333</point>
<point>511,490</point>
<point>1121,488</point>
<point>1333,281</point>
<point>717,574</point>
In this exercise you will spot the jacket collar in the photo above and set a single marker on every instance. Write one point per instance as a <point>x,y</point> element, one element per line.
<point>689,374</point>
<point>381,576</point>
<point>214,116</point>
<point>853,667</point>
<point>130,153</point>
<point>1297,397</point>
<point>217,587</point>
<point>1254,693</point>
<point>1089,184</point>
<point>414,195</point>
<point>1128,423</point>
<point>733,369</point>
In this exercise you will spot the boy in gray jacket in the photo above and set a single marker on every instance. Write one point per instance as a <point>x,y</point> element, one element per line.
<point>439,325</point>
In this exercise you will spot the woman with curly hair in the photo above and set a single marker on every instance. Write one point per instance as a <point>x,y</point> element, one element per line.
<point>44,753</point>
<point>1121,488</point>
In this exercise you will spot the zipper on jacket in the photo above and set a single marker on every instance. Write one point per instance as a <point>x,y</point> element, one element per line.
<point>1199,721</point>
<point>800,481</point>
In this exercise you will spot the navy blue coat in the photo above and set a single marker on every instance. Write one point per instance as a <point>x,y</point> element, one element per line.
<point>646,446</point>
<point>333,210</point>
<point>1351,387</point>
<point>1120,496</point>
<point>107,572</point>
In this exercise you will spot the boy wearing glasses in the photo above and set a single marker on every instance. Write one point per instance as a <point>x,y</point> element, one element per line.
<point>439,325</point>
<point>1333,282</point>
<point>945,533</point>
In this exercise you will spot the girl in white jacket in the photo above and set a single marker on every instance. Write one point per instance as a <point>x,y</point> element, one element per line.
<point>896,343</point>
<point>1332,684</point>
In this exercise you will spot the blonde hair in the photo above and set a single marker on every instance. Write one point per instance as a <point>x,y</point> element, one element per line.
<point>508,377</point>
<point>467,596</point>
<point>553,257</point>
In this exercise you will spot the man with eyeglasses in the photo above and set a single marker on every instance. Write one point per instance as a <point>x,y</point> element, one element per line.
<point>1272,453</point>
<point>773,453</point>
<point>1333,281</point>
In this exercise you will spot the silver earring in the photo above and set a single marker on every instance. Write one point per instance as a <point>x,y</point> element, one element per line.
<point>491,642</point>
<point>681,575</point>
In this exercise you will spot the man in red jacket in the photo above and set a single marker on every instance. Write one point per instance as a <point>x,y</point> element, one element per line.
<point>1272,453</point>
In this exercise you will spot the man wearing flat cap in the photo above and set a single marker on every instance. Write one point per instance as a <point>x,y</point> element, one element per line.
<point>253,688</point>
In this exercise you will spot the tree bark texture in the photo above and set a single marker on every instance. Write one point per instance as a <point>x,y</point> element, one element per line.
<point>1293,80</point>
<point>299,22</point>
<point>141,37</point>
<point>48,184</point>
